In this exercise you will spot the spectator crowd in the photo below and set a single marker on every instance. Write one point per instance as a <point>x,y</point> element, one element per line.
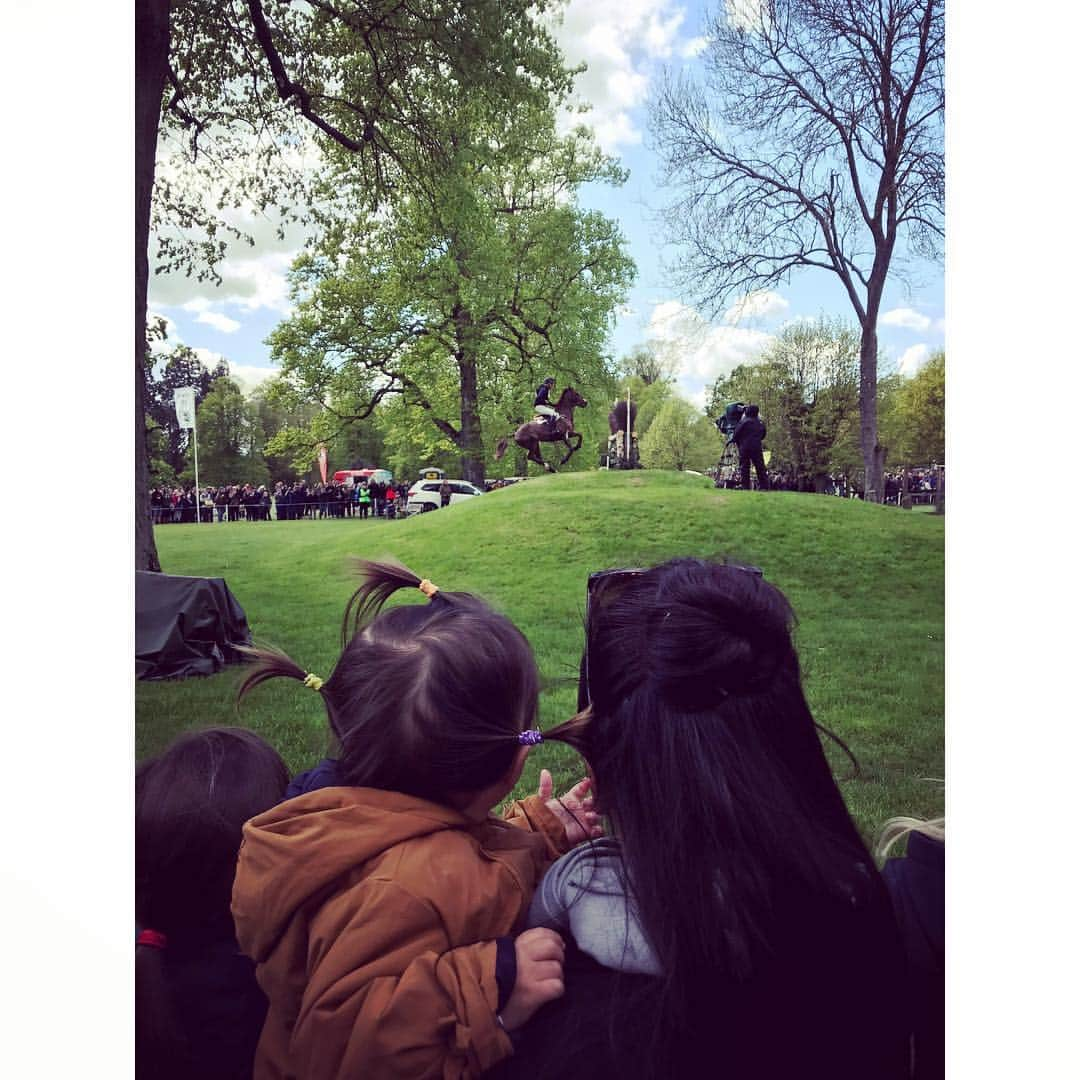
<point>922,484</point>
<point>287,502</point>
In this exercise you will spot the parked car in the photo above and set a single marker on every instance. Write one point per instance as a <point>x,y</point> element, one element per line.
<point>424,494</point>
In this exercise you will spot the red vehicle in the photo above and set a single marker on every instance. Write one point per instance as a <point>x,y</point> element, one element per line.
<point>354,476</point>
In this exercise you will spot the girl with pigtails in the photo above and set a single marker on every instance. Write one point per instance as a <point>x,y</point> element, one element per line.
<point>382,907</point>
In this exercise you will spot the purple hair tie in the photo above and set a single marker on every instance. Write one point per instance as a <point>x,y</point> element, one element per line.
<point>531,737</point>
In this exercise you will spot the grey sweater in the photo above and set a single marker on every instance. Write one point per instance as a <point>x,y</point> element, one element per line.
<point>583,894</point>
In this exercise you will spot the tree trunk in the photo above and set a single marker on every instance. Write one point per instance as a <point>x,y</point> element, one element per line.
<point>873,452</point>
<point>151,64</point>
<point>939,499</point>
<point>470,438</point>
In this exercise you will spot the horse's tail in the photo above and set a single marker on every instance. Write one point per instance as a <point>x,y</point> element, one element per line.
<point>501,448</point>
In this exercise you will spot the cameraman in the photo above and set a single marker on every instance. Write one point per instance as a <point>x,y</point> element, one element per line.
<point>748,437</point>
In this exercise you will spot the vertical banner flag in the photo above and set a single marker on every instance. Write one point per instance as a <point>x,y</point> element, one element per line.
<point>184,400</point>
<point>322,463</point>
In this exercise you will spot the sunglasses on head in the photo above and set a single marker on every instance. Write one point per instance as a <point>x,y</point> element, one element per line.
<point>604,587</point>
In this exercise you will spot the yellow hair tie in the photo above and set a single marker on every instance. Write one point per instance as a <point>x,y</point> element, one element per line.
<point>313,681</point>
<point>427,588</point>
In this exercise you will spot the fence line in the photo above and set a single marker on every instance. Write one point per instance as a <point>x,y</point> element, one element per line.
<point>185,515</point>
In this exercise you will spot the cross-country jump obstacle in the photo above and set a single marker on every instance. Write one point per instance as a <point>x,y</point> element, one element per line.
<point>727,468</point>
<point>622,448</point>
<point>529,436</point>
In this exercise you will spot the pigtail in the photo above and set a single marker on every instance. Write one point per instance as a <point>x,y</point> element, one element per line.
<point>270,664</point>
<point>573,732</point>
<point>380,579</point>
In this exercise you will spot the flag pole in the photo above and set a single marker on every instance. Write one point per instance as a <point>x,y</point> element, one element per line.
<point>198,490</point>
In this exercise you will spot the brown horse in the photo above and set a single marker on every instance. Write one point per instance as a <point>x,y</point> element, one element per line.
<point>529,436</point>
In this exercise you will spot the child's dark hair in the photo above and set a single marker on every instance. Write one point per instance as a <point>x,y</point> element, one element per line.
<point>191,803</point>
<point>425,699</point>
<point>707,761</point>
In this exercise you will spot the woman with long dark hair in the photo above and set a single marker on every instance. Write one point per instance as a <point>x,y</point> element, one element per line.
<point>733,924</point>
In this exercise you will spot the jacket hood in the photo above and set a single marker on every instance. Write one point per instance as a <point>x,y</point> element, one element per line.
<point>293,851</point>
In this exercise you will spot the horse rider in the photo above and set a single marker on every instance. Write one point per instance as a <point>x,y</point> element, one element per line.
<point>542,406</point>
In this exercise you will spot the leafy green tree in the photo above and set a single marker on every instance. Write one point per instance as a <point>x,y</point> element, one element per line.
<point>913,420</point>
<point>649,364</point>
<point>234,91</point>
<point>807,387</point>
<point>680,438</point>
<point>475,282</point>
<point>162,474</point>
<point>230,438</point>
<point>649,397</point>
<point>177,368</point>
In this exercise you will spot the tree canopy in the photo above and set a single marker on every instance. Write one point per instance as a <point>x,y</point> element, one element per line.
<point>680,437</point>
<point>245,93</point>
<point>806,385</point>
<point>913,416</point>
<point>463,292</point>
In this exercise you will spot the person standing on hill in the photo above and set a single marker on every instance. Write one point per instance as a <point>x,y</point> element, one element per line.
<point>748,437</point>
<point>444,493</point>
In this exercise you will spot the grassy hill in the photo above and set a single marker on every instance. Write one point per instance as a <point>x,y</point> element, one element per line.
<point>867,583</point>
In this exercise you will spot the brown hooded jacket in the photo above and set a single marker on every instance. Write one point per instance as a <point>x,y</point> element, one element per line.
<point>372,917</point>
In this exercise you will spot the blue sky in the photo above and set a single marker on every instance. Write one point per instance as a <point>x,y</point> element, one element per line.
<point>626,44</point>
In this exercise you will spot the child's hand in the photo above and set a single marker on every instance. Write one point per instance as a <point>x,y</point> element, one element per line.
<point>574,809</point>
<point>539,975</point>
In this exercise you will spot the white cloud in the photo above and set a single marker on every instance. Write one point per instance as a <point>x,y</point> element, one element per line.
<point>622,42</point>
<point>701,350</point>
<point>760,304</point>
<point>694,47</point>
<point>252,275</point>
<point>907,318</point>
<point>248,376</point>
<point>249,281</point>
<point>700,398</point>
<point>218,321</point>
<point>914,358</point>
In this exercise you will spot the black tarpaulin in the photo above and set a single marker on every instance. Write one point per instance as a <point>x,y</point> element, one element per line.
<point>185,626</point>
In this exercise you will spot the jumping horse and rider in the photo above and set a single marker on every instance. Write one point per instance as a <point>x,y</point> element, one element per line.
<point>551,423</point>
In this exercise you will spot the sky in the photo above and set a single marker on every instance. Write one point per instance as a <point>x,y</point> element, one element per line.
<point>68,286</point>
<point>626,44</point>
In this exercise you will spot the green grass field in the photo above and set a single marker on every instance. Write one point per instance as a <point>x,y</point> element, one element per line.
<point>867,583</point>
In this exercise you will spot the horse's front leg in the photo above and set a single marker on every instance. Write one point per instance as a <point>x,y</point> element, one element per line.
<point>570,450</point>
